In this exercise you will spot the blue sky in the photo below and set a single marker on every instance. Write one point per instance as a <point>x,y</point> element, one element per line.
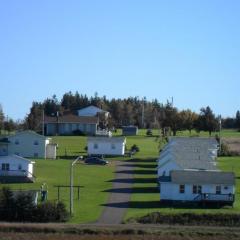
<point>186,49</point>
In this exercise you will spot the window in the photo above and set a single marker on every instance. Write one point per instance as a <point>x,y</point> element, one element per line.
<point>113,146</point>
<point>17,142</point>
<point>194,190</point>
<point>95,146</point>
<point>19,167</point>
<point>181,188</point>
<point>17,153</point>
<point>5,166</point>
<point>197,189</point>
<point>218,190</point>
<point>36,142</point>
<point>35,154</point>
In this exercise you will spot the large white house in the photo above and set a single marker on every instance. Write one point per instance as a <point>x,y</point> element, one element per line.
<point>14,168</point>
<point>106,146</point>
<point>198,185</point>
<point>28,144</point>
<point>187,171</point>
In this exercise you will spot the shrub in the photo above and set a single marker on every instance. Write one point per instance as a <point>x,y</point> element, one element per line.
<point>218,219</point>
<point>135,148</point>
<point>149,132</point>
<point>78,133</point>
<point>21,208</point>
<point>51,212</point>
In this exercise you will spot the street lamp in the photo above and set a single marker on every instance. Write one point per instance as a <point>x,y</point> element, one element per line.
<point>71,183</point>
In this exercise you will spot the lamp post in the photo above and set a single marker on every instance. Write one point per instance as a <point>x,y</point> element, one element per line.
<point>71,183</point>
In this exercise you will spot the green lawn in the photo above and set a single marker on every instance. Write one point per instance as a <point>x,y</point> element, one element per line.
<point>95,179</point>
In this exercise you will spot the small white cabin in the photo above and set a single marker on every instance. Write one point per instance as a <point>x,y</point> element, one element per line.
<point>106,146</point>
<point>15,166</point>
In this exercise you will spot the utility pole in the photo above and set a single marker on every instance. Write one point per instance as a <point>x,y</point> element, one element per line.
<point>220,129</point>
<point>143,102</point>
<point>71,183</point>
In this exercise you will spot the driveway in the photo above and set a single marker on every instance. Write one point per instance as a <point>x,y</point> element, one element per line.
<point>120,194</point>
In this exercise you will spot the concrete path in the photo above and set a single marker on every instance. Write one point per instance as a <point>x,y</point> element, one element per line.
<point>120,194</point>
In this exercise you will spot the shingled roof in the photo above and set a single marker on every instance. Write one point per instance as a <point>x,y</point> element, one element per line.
<point>202,177</point>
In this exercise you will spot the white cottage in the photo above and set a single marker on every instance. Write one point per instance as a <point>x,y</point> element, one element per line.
<point>106,146</point>
<point>28,144</point>
<point>198,186</point>
<point>14,168</point>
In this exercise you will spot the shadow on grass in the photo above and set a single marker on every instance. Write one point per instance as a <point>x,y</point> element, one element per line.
<point>147,172</point>
<point>140,165</point>
<point>143,190</point>
<point>158,204</point>
<point>135,180</point>
<point>67,157</point>
<point>138,160</point>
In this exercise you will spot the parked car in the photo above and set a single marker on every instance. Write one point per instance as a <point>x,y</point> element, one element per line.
<point>95,160</point>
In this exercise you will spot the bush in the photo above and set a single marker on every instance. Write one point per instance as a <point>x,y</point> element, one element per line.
<point>21,208</point>
<point>78,133</point>
<point>149,132</point>
<point>218,219</point>
<point>135,148</point>
<point>51,212</point>
<point>224,151</point>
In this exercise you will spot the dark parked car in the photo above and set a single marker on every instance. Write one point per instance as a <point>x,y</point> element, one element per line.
<point>95,160</point>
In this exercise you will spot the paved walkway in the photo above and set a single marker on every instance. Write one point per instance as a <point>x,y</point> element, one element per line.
<point>120,194</point>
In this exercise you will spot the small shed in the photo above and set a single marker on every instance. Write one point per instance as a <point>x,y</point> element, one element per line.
<point>106,146</point>
<point>14,168</point>
<point>129,130</point>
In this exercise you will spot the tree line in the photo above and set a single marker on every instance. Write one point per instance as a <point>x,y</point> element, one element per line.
<point>128,111</point>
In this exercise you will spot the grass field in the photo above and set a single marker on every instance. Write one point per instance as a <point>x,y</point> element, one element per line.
<point>92,179</point>
<point>95,179</point>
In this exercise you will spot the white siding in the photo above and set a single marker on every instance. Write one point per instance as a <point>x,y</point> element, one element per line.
<point>106,148</point>
<point>51,151</point>
<point>14,166</point>
<point>170,191</point>
<point>28,145</point>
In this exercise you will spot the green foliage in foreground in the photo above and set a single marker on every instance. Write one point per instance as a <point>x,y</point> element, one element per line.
<point>21,208</point>
<point>209,219</point>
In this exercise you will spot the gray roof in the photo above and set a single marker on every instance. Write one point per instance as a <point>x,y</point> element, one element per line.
<point>192,152</point>
<point>202,177</point>
<point>107,139</point>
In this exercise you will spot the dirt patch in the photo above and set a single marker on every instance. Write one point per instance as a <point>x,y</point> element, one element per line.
<point>233,144</point>
<point>27,236</point>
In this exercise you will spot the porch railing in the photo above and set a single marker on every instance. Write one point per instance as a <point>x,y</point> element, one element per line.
<point>215,197</point>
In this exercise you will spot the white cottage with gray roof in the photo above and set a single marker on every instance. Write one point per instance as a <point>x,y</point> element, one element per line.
<point>106,146</point>
<point>198,186</point>
<point>187,171</point>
